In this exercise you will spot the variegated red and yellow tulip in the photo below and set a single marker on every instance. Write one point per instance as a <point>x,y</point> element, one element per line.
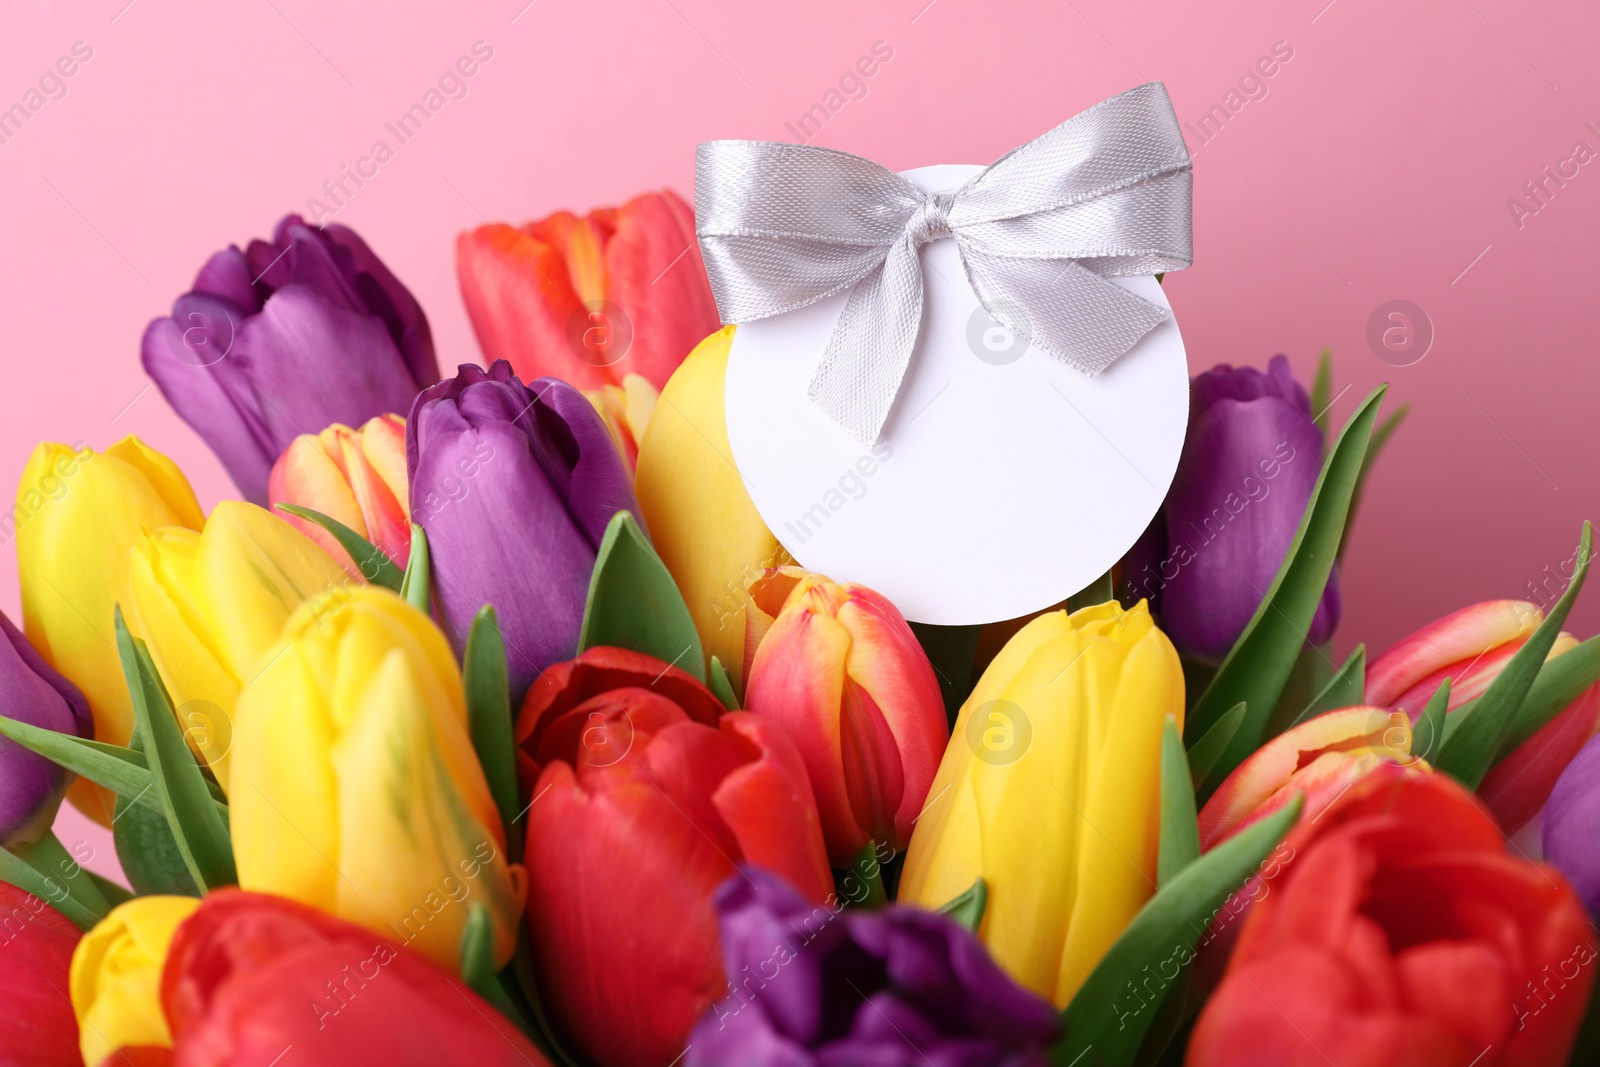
<point>1471,647</point>
<point>1317,760</point>
<point>626,409</point>
<point>840,670</point>
<point>355,476</point>
<point>590,299</point>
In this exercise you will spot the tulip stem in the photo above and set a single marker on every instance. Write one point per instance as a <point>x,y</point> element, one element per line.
<point>861,883</point>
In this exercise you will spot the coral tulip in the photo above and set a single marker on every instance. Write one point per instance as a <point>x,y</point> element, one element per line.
<point>1402,932</point>
<point>626,409</point>
<point>355,787</point>
<point>77,515</point>
<point>355,476</point>
<point>1049,790</point>
<point>209,604</point>
<point>38,1027</point>
<point>589,300</point>
<point>116,977</point>
<point>514,485</point>
<point>31,787</point>
<point>843,674</point>
<point>250,976</point>
<point>285,338</point>
<point>643,796</point>
<point>702,522</point>
<point>1471,647</point>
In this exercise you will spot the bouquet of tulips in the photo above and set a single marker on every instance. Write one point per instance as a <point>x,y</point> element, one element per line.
<point>493,726</point>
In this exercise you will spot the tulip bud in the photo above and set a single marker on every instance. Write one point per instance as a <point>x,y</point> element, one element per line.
<point>307,330</point>
<point>1317,760</point>
<point>355,786</point>
<point>590,300</point>
<point>703,524</point>
<point>1570,819</point>
<point>355,476</point>
<point>844,676</point>
<point>77,515</point>
<point>38,1026</point>
<point>209,604</point>
<point>116,977</point>
<point>644,795</point>
<point>1050,791</point>
<point>626,409</point>
<point>1471,647</point>
<point>31,787</point>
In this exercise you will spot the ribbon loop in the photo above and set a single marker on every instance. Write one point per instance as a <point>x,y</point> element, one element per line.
<point>1105,194</point>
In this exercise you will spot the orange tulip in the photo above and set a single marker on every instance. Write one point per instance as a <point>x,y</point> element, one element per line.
<point>355,476</point>
<point>590,299</point>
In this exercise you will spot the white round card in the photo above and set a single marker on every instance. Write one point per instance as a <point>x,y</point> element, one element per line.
<point>1004,480</point>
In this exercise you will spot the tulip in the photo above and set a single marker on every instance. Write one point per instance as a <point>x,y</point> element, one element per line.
<point>355,787</point>
<point>514,485</point>
<point>702,522</point>
<point>31,787</point>
<point>643,796</point>
<point>355,476</point>
<point>286,338</point>
<point>626,409</point>
<point>1471,647</point>
<point>77,515</point>
<point>210,604</point>
<point>590,300</point>
<point>1249,463</point>
<point>1317,760</point>
<point>1570,820</point>
<point>814,985</point>
<point>842,673</point>
<point>1050,791</point>
<point>1400,931</point>
<point>116,977</point>
<point>37,1028</point>
<point>250,976</point>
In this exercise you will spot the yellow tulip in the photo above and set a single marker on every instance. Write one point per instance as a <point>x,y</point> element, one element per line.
<point>77,515</point>
<point>356,789</point>
<point>1050,790</point>
<point>701,520</point>
<point>626,409</point>
<point>116,976</point>
<point>209,604</point>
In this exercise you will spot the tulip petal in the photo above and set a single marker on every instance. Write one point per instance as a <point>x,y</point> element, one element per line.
<point>1456,639</point>
<point>521,304</point>
<point>383,294</point>
<point>768,805</point>
<point>655,274</point>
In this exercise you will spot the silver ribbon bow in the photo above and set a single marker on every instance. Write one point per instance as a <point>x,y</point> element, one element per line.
<point>1105,193</point>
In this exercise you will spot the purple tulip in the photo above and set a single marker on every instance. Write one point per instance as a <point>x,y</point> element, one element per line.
<point>288,338</point>
<point>514,485</point>
<point>31,691</point>
<point>1250,461</point>
<point>1571,832</point>
<point>812,987</point>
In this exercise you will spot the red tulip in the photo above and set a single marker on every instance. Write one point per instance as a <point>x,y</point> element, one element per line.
<point>37,1026</point>
<point>250,976</point>
<point>1401,931</point>
<point>589,299</point>
<point>842,673</point>
<point>1471,647</point>
<point>643,796</point>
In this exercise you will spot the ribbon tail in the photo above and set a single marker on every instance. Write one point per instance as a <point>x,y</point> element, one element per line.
<point>1079,317</point>
<point>866,358</point>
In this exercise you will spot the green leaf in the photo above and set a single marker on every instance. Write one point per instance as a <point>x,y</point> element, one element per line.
<point>1427,737</point>
<point>1346,689</point>
<point>1097,592</point>
<point>968,908</point>
<point>44,869</point>
<point>197,827</point>
<point>115,895</point>
<point>1104,1016</point>
<point>861,883</point>
<point>1322,390</point>
<point>1473,747</point>
<point>483,671</point>
<point>1180,833</point>
<point>1562,679</point>
<point>1259,663</point>
<point>477,963</point>
<point>124,771</point>
<point>415,586</point>
<point>149,854</point>
<point>634,604</point>
<point>1204,753</point>
<point>375,566</point>
<point>717,681</point>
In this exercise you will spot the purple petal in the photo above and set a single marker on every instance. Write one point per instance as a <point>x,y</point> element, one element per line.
<point>387,297</point>
<point>734,1033</point>
<point>1570,819</point>
<point>31,691</point>
<point>596,485</point>
<point>227,275</point>
<point>773,943</point>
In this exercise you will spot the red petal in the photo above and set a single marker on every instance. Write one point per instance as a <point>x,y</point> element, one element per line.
<point>1517,787</point>
<point>768,805</point>
<point>654,273</point>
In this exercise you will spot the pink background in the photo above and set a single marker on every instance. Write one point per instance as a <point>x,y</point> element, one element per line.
<point>1378,166</point>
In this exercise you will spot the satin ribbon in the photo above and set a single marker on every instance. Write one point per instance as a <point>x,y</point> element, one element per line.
<point>1040,231</point>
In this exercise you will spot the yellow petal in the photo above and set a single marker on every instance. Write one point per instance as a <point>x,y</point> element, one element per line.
<point>115,979</point>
